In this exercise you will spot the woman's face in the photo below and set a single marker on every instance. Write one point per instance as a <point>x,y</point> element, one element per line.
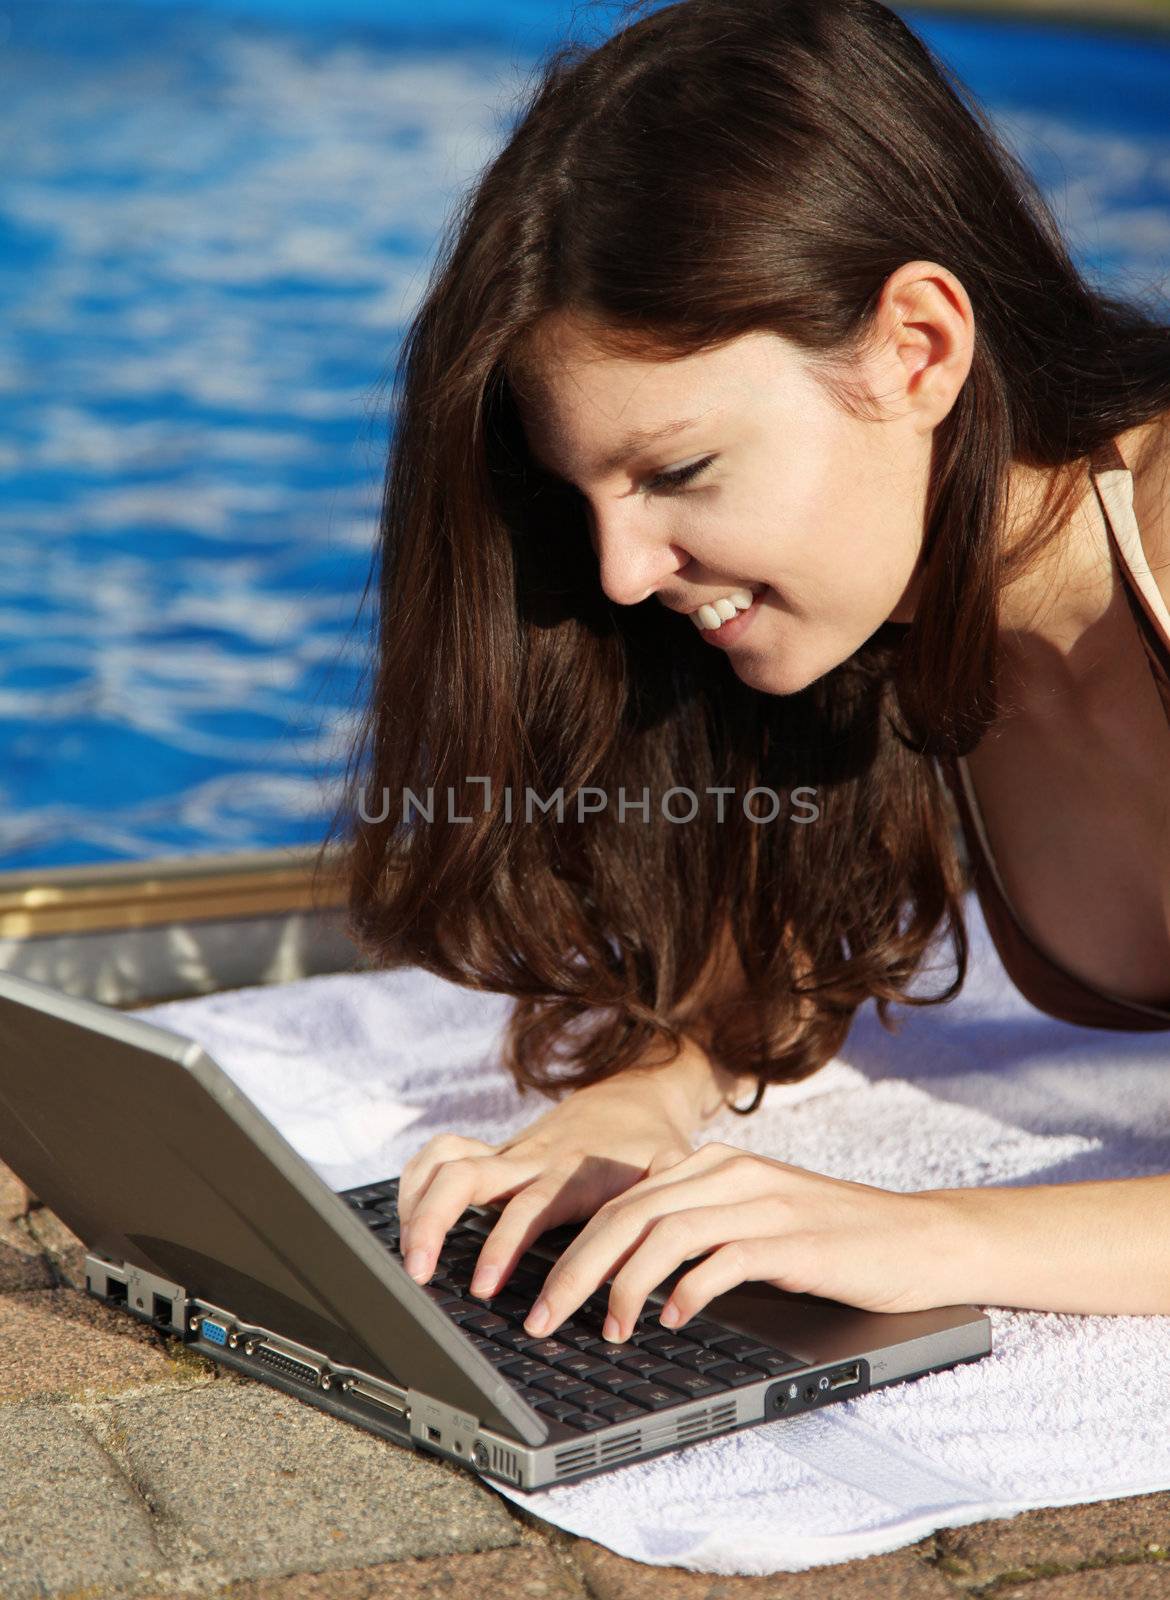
<point>787,494</point>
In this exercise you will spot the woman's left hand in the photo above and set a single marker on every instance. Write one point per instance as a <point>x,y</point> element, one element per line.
<point>751,1217</point>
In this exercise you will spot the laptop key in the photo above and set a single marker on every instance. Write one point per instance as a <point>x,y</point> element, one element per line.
<point>441,1296</point>
<point>735,1374</point>
<point>616,1379</point>
<point>516,1338</point>
<point>527,1371</point>
<point>700,1360</point>
<point>548,1349</point>
<point>587,1421</point>
<point>558,1384</point>
<point>486,1322</point>
<point>463,1238</point>
<point>496,1353</point>
<point>588,1399</point>
<point>609,1352</point>
<point>651,1328</point>
<point>735,1347</point>
<point>615,1410</point>
<point>472,1222</point>
<point>772,1361</point>
<point>580,1338</point>
<point>667,1345</point>
<point>706,1333</point>
<point>511,1304</point>
<point>462,1310</point>
<point>580,1362</point>
<point>455,1256</point>
<point>654,1396</point>
<point>695,1384</point>
<point>555,1408</point>
<point>522,1279</point>
<point>644,1361</point>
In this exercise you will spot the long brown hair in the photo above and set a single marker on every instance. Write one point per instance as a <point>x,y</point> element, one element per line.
<point>716,167</point>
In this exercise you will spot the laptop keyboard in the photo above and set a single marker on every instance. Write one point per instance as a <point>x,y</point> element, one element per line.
<point>575,1376</point>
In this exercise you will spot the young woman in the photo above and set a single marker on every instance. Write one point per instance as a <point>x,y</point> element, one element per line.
<point>754,322</point>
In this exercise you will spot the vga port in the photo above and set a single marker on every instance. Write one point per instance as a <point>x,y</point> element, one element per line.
<point>214,1332</point>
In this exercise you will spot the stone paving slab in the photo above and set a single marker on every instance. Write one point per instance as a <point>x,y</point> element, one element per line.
<point>1143,1582</point>
<point>59,1342</point>
<point>246,1482</point>
<point>901,1575</point>
<point>14,1196</point>
<point>132,1467</point>
<point>1092,1535</point>
<point>62,1247</point>
<point>22,1262</point>
<point>521,1573</point>
<point>68,1516</point>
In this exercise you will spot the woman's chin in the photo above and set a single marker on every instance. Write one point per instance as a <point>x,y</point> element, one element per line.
<point>770,676</point>
<point>773,673</point>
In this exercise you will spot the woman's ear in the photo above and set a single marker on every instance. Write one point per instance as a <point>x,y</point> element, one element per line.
<point>925,341</point>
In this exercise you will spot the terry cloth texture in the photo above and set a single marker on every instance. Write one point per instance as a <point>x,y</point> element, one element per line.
<point>359,1070</point>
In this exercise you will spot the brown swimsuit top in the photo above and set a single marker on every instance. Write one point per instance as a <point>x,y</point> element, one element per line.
<point>1041,980</point>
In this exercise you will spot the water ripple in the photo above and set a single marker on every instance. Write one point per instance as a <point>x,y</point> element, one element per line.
<point>213,227</point>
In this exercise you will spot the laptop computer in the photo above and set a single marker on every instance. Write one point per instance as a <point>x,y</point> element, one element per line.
<point>200,1218</point>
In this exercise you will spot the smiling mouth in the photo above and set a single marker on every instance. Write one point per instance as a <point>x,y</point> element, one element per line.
<point>715,614</point>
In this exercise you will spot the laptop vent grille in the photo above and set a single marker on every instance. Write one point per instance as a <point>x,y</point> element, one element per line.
<point>506,1463</point>
<point>700,1422</point>
<point>580,1457</point>
<point>576,1459</point>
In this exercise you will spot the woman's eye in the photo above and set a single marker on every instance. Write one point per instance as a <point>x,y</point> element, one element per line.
<point>665,482</point>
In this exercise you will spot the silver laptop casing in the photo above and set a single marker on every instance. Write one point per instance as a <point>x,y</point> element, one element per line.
<point>199,1217</point>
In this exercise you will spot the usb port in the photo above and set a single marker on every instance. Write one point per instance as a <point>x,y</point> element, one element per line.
<point>842,1378</point>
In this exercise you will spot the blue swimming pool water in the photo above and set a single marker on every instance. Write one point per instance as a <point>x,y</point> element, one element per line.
<point>215,220</point>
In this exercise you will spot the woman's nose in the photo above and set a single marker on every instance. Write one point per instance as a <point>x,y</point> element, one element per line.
<point>632,566</point>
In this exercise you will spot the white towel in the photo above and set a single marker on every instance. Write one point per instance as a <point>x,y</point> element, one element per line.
<point>359,1070</point>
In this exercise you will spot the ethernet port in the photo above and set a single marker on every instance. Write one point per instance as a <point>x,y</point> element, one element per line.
<point>116,1292</point>
<point>162,1309</point>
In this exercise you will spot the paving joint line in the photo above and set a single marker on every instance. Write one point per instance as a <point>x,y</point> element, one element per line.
<point>185,1565</point>
<point>1019,1577</point>
<point>560,1544</point>
<point>47,1255</point>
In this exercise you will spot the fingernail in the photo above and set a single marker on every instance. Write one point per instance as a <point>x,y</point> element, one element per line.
<point>416,1264</point>
<point>611,1331</point>
<point>538,1318</point>
<point>485,1281</point>
<point>668,1316</point>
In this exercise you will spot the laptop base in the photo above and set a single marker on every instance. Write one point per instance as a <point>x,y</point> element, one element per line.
<point>422,1422</point>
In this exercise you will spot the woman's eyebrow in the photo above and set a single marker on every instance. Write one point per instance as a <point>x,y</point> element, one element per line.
<point>628,446</point>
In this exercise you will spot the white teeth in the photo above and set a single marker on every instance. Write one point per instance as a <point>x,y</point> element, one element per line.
<point>717,612</point>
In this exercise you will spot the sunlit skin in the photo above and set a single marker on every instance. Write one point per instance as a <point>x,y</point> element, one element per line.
<point>824,509</point>
<point>827,510</point>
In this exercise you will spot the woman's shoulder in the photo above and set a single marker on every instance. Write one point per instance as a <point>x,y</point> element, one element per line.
<point>1146,452</point>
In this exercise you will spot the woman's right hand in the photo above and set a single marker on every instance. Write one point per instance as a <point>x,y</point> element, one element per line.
<point>594,1144</point>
